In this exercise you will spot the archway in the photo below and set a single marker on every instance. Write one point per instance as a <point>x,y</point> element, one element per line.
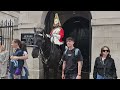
<point>76,24</point>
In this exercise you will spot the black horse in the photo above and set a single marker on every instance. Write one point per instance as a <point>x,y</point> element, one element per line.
<point>51,54</point>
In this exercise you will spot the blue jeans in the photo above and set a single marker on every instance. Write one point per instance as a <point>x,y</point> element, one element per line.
<point>26,74</point>
<point>101,77</point>
<point>24,77</point>
<point>11,75</point>
<point>70,76</point>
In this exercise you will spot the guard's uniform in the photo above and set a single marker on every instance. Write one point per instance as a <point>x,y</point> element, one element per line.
<point>57,35</point>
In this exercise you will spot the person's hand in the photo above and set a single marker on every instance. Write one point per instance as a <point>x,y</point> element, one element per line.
<point>63,76</point>
<point>48,35</point>
<point>13,57</point>
<point>78,77</point>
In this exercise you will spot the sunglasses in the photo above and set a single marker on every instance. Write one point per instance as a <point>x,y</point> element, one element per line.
<point>105,50</point>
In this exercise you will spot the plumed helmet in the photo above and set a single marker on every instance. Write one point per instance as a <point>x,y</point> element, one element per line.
<point>56,20</point>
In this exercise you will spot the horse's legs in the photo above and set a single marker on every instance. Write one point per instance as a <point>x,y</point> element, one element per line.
<point>46,72</point>
<point>55,72</point>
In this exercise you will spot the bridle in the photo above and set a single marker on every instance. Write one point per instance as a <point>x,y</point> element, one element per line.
<point>44,60</point>
<point>51,47</point>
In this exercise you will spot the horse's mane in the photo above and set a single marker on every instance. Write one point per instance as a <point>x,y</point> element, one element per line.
<point>46,47</point>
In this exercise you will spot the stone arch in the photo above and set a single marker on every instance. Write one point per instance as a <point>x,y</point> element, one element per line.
<point>68,17</point>
<point>88,15</point>
<point>44,14</point>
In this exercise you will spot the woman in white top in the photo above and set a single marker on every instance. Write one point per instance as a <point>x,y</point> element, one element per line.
<point>4,56</point>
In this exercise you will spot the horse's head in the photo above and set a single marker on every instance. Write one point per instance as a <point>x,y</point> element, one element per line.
<point>39,39</point>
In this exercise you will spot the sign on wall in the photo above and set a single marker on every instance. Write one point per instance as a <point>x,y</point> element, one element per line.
<point>28,38</point>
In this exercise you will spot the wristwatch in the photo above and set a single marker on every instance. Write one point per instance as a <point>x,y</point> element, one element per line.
<point>79,75</point>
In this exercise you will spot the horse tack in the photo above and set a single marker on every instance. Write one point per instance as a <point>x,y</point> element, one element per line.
<point>45,60</point>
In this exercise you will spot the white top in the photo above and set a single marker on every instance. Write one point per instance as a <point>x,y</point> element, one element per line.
<point>25,65</point>
<point>4,56</point>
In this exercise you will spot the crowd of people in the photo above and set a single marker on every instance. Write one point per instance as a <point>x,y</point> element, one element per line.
<point>14,66</point>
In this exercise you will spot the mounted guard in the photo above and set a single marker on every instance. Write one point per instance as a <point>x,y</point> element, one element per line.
<point>57,33</point>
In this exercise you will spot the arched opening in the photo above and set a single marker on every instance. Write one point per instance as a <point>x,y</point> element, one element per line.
<point>76,24</point>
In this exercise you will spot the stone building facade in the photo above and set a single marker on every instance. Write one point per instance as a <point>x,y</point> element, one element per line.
<point>105,30</point>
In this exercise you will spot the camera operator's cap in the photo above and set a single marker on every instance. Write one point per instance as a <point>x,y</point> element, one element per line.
<point>56,20</point>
